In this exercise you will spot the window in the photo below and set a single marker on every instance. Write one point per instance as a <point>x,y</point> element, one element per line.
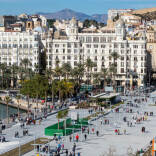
<point>103,58</point>
<point>56,50</point>
<point>63,50</point>
<point>63,57</point>
<point>103,39</point>
<point>75,45</point>
<point>122,64</point>
<point>15,45</point>
<point>135,59</point>
<point>69,45</point>
<point>35,45</point>
<point>95,58</point>
<point>75,50</point>
<point>122,45</point>
<point>88,39</point>
<point>56,45</point>
<point>135,46</point>
<point>103,64</point>
<point>142,58</point>
<point>122,70</point>
<point>68,57</point>
<point>95,45</point>
<point>88,45</point>
<point>135,51</point>
<point>4,46</point>
<point>122,58</point>
<point>69,50</point>
<point>115,45</point>
<point>103,46</point>
<point>95,39</point>
<point>75,57</point>
<point>75,63</point>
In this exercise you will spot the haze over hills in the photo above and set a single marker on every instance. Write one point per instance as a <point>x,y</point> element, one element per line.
<point>68,14</point>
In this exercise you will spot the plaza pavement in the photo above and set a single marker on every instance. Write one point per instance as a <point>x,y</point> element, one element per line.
<point>134,139</point>
<point>35,131</point>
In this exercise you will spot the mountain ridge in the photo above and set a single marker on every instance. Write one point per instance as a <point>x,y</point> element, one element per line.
<point>68,14</point>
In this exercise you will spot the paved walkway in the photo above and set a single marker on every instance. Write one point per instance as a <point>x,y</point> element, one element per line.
<point>108,141</point>
<point>35,131</point>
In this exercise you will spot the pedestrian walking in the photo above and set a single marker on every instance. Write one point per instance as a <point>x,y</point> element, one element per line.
<point>88,130</point>
<point>70,138</point>
<point>66,152</point>
<point>77,138</point>
<point>74,148</point>
<point>97,133</point>
<point>93,130</point>
<point>85,136</point>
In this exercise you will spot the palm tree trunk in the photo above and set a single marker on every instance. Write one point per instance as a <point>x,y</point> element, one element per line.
<point>28,106</point>
<point>46,101</point>
<point>18,110</point>
<point>7,113</point>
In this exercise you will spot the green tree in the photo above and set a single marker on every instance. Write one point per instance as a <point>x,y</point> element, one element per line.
<point>113,67</point>
<point>3,67</point>
<point>66,68</point>
<point>104,75</point>
<point>27,90</point>
<point>89,65</point>
<point>61,114</point>
<point>25,63</point>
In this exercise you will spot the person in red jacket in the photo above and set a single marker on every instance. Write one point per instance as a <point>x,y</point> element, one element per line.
<point>77,138</point>
<point>116,131</point>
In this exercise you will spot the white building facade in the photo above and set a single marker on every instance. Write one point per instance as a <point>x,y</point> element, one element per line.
<point>16,46</point>
<point>78,47</point>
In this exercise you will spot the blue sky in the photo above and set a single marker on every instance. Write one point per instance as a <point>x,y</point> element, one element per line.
<point>86,6</point>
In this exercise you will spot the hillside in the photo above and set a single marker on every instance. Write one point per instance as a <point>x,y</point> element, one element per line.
<point>144,11</point>
<point>147,16</point>
<point>68,14</point>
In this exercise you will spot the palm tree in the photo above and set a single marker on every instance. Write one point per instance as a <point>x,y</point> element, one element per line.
<point>27,90</point>
<point>3,67</point>
<point>89,65</point>
<point>61,114</point>
<point>25,62</point>
<point>21,74</point>
<point>66,67</point>
<point>96,78</point>
<point>18,97</point>
<point>77,73</point>
<point>113,67</point>
<point>14,72</point>
<point>7,99</point>
<point>104,74</point>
